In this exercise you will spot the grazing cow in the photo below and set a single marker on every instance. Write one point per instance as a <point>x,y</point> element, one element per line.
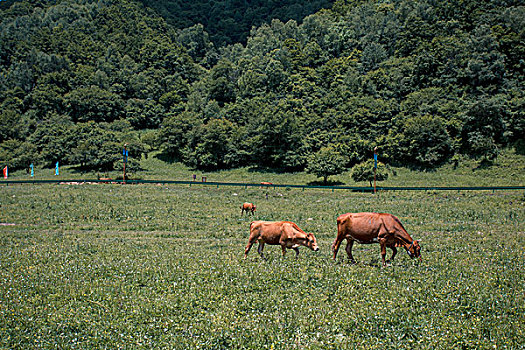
<point>248,207</point>
<point>381,228</point>
<point>285,233</point>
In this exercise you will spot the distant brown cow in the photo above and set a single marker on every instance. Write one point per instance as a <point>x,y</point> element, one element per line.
<point>381,228</point>
<point>285,233</point>
<point>248,207</point>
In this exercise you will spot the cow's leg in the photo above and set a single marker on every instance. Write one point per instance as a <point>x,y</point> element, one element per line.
<point>247,249</point>
<point>260,249</point>
<point>383,251</point>
<point>335,246</point>
<point>394,252</point>
<point>283,247</point>
<point>251,240</point>
<point>349,245</point>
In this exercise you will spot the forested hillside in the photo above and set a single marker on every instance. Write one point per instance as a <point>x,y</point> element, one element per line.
<point>423,80</point>
<point>230,21</point>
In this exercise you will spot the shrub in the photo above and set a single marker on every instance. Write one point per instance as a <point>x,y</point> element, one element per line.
<point>365,172</point>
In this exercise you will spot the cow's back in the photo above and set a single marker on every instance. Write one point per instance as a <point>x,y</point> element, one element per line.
<point>267,231</point>
<point>363,227</point>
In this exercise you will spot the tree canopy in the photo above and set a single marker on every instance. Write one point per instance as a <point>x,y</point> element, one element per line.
<point>423,80</point>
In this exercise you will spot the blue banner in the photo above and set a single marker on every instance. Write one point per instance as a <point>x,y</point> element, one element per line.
<point>375,161</point>
<point>56,170</point>
<point>125,155</point>
<point>32,170</point>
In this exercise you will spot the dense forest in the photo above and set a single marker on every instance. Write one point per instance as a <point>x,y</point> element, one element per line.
<point>230,21</point>
<point>426,81</point>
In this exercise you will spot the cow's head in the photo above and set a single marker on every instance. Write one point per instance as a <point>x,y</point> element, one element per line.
<point>307,240</point>
<point>311,242</point>
<point>414,250</point>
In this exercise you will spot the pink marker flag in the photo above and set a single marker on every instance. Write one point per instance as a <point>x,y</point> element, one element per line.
<point>6,172</point>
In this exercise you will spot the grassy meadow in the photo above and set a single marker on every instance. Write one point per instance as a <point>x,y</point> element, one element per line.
<point>150,266</point>
<point>508,170</point>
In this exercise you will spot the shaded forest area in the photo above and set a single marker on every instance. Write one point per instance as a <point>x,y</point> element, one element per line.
<point>230,21</point>
<point>425,81</point>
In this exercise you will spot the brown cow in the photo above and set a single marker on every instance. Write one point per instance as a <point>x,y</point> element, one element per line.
<point>285,233</point>
<point>381,228</point>
<point>248,207</point>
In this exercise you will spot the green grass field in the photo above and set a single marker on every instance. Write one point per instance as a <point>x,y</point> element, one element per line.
<point>149,266</point>
<point>507,170</point>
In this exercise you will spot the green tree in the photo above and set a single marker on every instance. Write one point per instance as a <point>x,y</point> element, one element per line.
<point>422,141</point>
<point>93,104</point>
<point>365,172</point>
<point>277,140</point>
<point>485,68</point>
<point>221,84</point>
<point>372,56</point>
<point>276,75</point>
<point>172,101</point>
<point>143,114</point>
<point>484,128</point>
<point>515,122</point>
<point>198,45</point>
<point>54,139</point>
<point>482,146</point>
<point>11,119</point>
<point>17,154</point>
<point>252,83</point>
<point>325,162</point>
<point>210,148</point>
<point>177,134</point>
<point>509,33</point>
<point>96,148</point>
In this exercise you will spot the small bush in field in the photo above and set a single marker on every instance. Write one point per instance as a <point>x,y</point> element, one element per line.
<point>365,172</point>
